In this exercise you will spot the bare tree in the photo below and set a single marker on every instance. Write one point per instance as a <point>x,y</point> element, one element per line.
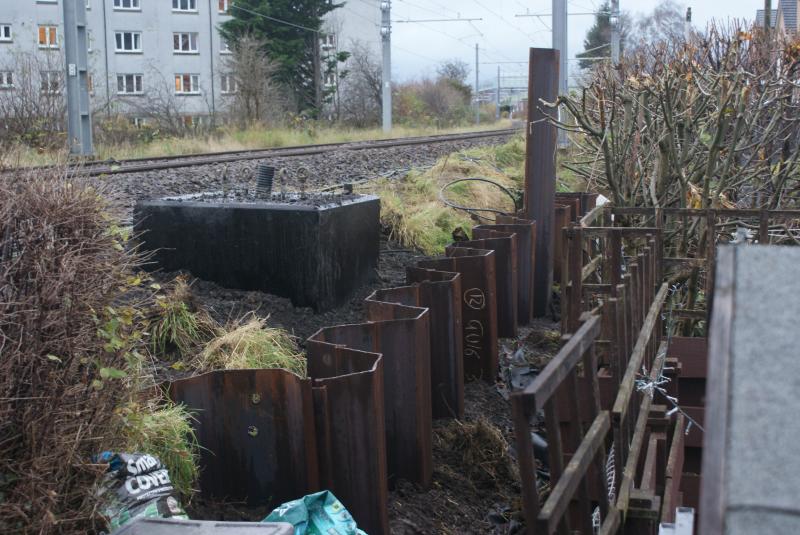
<point>255,96</point>
<point>32,106</point>
<point>665,23</point>
<point>360,91</point>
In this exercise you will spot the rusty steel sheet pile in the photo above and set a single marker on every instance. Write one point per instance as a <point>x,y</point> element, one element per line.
<point>256,429</point>
<point>349,421</point>
<point>478,307</point>
<point>504,245</point>
<point>526,260</point>
<point>402,335</point>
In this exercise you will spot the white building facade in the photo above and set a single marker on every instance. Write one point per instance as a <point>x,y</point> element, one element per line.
<point>148,49</point>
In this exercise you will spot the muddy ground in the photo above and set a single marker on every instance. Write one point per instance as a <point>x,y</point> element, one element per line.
<point>464,498</point>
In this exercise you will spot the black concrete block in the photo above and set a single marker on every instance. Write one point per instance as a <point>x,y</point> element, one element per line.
<point>315,254</point>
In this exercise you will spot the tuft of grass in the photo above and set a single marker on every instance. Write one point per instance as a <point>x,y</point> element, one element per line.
<point>252,345</point>
<point>165,431</point>
<point>178,328</point>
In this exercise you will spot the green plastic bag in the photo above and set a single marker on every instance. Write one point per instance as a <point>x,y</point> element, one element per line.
<point>316,514</point>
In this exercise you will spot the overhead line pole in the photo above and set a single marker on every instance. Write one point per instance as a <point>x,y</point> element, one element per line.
<point>79,120</point>
<point>560,43</point>
<point>616,37</point>
<point>497,97</point>
<point>477,86</point>
<point>386,70</point>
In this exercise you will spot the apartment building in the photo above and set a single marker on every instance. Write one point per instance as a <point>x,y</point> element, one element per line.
<point>148,49</point>
<point>784,18</point>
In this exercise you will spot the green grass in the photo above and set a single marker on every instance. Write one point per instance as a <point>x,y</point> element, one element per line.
<point>164,431</point>
<point>230,139</point>
<point>252,345</point>
<point>176,328</point>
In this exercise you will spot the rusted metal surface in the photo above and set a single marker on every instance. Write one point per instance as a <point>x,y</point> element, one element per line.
<point>561,221</point>
<point>586,202</point>
<point>349,420</point>
<point>504,245</point>
<point>256,434</point>
<point>402,335</point>
<point>440,292</point>
<point>526,261</point>
<point>540,167</point>
<point>478,307</point>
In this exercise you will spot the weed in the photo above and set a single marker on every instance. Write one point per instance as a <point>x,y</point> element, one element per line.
<point>177,328</point>
<point>252,345</point>
<point>164,431</point>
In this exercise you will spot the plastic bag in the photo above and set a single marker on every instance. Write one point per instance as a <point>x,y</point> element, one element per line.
<point>316,514</point>
<point>136,486</point>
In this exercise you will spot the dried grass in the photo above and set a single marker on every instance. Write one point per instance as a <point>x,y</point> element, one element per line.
<point>482,449</point>
<point>179,327</point>
<point>252,345</point>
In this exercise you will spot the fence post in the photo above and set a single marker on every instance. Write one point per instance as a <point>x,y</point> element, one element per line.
<point>540,169</point>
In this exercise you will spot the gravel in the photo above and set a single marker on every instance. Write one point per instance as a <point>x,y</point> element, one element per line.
<point>324,170</point>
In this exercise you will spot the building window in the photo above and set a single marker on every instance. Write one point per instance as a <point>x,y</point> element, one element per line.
<point>50,82</point>
<point>90,84</point>
<point>48,37</point>
<point>330,79</point>
<point>328,41</point>
<point>89,40</point>
<point>184,5</point>
<point>225,47</point>
<point>129,84</point>
<point>138,122</point>
<point>228,84</point>
<point>5,33</point>
<point>128,41</point>
<point>6,80</point>
<point>187,84</point>
<point>184,43</point>
<point>223,6</point>
<point>127,4</point>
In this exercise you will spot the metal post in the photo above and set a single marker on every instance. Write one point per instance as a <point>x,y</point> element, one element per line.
<point>560,35</point>
<point>477,89</point>
<point>386,72</point>
<point>540,169</point>
<point>616,38</point>
<point>767,15</point>
<point>688,26</point>
<point>497,97</point>
<point>77,78</point>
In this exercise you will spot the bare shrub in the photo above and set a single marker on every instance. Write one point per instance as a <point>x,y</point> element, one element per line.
<point>360,88</point>
<point>33,111</point>
<point>61,263</point>
<point>256,97</point>
<point>431,102</point>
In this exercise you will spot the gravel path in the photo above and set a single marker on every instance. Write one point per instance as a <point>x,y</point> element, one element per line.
<point>325,169</point>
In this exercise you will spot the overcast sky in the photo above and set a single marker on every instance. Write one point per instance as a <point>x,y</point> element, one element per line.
<point>418,47</point>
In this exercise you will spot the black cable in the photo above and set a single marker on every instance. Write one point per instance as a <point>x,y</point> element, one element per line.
<point>472,210</point>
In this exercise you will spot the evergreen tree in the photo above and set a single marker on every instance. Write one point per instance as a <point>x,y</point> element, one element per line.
<point>290,31</point>
<point>597,36</point>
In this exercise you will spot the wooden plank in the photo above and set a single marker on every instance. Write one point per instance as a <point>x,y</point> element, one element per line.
<point>592,216</point>
<point>674,471</point>
<point>690,314</point>
<point>556,504</point>
<point>540,168</point>
<point>591,267</point>
<point>611,523</point>
<point>648,481</point>
<point>525,457</point>
<point>637,355</point>
<point>601,232</point>
<point>544,386</point>
<point>629,472</point>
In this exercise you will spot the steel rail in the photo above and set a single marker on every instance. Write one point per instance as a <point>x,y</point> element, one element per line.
<point>135,165</point>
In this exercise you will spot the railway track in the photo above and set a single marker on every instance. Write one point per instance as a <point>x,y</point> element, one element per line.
<point>107,167</point>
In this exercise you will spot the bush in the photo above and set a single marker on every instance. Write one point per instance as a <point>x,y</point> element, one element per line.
<point>61,264</point>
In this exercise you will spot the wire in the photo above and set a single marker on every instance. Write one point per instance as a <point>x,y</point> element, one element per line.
<point>286,22</point>
<point>472,210</point>
<point>504,20</point>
